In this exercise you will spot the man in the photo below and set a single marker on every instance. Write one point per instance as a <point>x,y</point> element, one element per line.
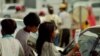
<point>9,46</point>
<point>66,25</point>
<point>31,22</point>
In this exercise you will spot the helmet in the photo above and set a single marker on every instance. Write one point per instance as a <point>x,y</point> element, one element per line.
<point>63,5</point>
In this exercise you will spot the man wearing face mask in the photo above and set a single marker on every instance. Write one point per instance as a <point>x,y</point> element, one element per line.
<point>31,22</point>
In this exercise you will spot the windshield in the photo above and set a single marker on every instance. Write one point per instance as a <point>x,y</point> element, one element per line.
<point>11,7</point>
<point>96,5</point>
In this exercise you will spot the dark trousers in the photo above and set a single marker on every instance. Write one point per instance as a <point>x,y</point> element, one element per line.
<point>65,35</point>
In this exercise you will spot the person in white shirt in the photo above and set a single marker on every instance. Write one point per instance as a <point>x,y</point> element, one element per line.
<point>42,16</point>
<point>45,45</point>
<point>9,46</point>
<point>53,17</point>
<point>31,22</point>
<point>65,26</point>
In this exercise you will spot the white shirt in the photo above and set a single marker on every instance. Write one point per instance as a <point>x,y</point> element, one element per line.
<point>42,19</point>
<point>66,20</point>
<point>53,17</point>
<point>49,49</point>
<point>26,38</point>
<point>9,46</point>
<point>22,36</point>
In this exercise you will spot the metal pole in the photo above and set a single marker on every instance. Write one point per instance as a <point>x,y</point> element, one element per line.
<point>1,8</point>
<point>80,17</point>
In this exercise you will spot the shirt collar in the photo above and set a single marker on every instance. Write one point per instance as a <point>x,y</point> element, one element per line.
<point>7,36</point>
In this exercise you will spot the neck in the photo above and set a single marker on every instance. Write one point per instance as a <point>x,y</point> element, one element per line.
<point>26,29</point>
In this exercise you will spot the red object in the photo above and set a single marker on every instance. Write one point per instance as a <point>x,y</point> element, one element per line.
<point>91,17</point>
<point>18,8</point>
<point>42,13</point>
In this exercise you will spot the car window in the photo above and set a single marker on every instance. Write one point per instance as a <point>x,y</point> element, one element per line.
<point>96,5</point>
<point>12,7</point>
<point>20,24</point>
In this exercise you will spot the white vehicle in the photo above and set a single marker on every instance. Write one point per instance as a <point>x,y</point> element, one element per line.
<point>95,5</point>
<point>9,10</point>
<point>96,8</point>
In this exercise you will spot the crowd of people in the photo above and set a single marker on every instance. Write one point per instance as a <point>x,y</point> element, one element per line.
<point>53,30</point>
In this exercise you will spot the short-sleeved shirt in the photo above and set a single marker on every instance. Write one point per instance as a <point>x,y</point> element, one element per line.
<point>24,37</point>
<point>9,46</point>
<point>49,49</point>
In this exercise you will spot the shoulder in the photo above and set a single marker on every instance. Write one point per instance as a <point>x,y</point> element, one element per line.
<point>16,42</point>
<point>19,31</point>
<point>48,44</point>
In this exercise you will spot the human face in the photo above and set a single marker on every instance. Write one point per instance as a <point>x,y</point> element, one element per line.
<point>34,29</point>
<point>53,35</point>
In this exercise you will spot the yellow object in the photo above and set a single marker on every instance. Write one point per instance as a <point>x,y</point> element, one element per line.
<point>85,25</point>
<point>63,5</point>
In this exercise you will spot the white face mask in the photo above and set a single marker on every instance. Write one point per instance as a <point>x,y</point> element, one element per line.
<point>33,37</point>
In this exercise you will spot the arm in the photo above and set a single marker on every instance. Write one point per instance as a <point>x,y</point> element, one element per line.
<point>21,51</point>
<point>53,50</point>
<point>31,41</point>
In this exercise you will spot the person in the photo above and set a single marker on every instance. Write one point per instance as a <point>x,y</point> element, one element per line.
<point>9,46</point>
<point>53,17</point>
<point>31,22</point>
<point>44,45</point>
<point>44,9</point>
<point>42,16</point>
<point>91,17</point>
<point>65,26</point>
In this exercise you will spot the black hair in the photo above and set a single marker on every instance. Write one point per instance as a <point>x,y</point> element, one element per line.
<point>63,9</point>
<point>32,19</point>
<point>8,26</point>
<point>45,31</point>
<point>50,10</point>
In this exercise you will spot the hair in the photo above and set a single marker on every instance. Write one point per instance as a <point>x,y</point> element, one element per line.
<point>62,9</point>
<point>50,10</point>
<point>45,31</point>
<point>8,26</point>
<point>32,19</point>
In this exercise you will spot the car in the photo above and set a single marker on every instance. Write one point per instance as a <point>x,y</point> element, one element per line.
<point>95,5</point>
<point>96,8</point>
<point>10,9</point>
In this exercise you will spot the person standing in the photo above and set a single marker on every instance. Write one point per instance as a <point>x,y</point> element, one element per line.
<point>52,17</point>
<point>31,22</point>
<point>65,26</point>
<point>9,46</point>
